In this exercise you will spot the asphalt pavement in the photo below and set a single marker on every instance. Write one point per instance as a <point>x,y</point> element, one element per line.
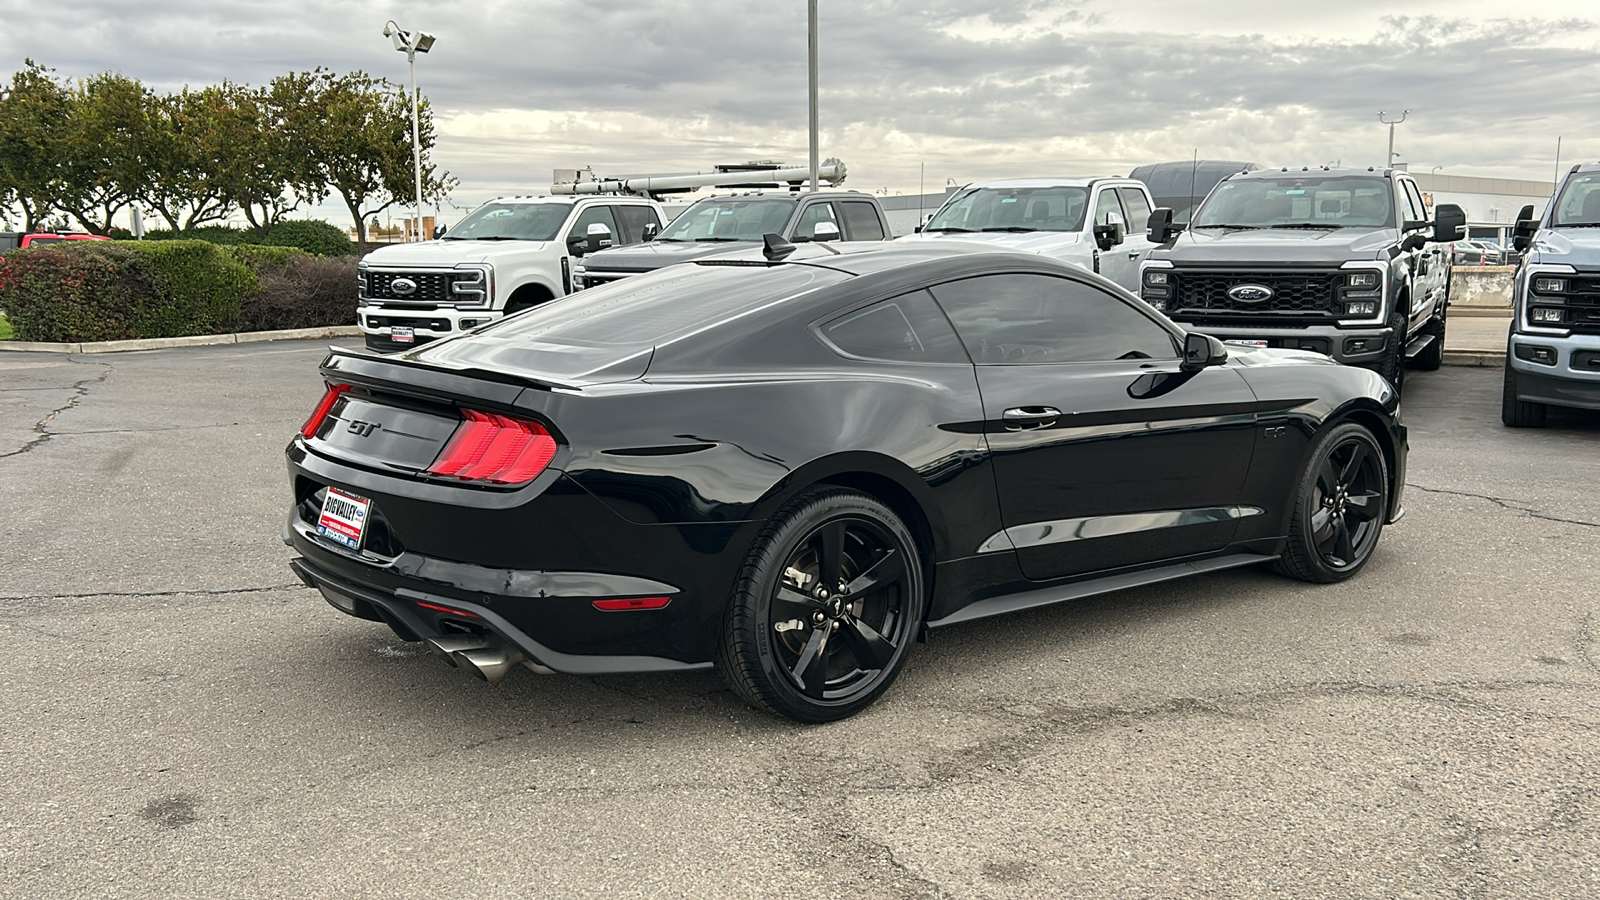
<point>180,718</point>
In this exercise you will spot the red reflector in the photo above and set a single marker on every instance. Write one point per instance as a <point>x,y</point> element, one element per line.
<point>447,610</point>
<point>496,449</point>
<point>628,603</point>
<point>335,391</point>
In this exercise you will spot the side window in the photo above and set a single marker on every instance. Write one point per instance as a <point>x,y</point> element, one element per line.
<point>806,228</point>
<point>1418,210</point>
<point>1033,319</point>
<point>1106,204</point>
<point>1137,207</point>
<point>595,214</point>
<point>908,328</point>
<point>861,221</point>
<point>633,219</point>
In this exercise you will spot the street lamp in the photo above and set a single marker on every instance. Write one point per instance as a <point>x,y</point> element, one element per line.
<point>411,44</point>
<point>1389,160</point>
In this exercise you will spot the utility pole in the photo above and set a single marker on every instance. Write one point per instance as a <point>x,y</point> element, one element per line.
<point>1389,160</point>
<point>811,22</point>
<point>1558,161</point>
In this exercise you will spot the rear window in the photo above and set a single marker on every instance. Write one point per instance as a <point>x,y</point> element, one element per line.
<point>660,306</point>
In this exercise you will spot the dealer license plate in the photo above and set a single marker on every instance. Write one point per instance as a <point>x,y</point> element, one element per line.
<point>1250,343</point>
<point>401,334</point>
<point>344,518</point>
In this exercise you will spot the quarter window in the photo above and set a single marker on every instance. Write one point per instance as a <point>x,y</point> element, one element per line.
<point>908,328</point>
<point>861,220</point>
<point>1033,319</point>
<point>1415,211</point>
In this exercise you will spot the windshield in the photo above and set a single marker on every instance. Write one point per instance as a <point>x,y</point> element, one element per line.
<point>1580,201</point>
<point>1013,209</point>
<point>1299,201</point>
<point>512,222</point>
<point>729,220</point>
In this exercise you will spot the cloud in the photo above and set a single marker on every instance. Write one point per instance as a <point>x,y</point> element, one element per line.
<point>971,88</point>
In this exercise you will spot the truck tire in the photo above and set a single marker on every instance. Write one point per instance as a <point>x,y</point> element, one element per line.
<point>1514,412</point>
<point>1393,365</point>
<point>1432,356</point>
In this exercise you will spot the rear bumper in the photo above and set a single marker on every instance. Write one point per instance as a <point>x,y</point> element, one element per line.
<point>1351,346</point>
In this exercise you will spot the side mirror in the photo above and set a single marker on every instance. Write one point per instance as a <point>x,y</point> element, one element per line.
<point>825,231</point>
<point>1110,234</point>
<point>438,232</point>
<point>926,218</point>
<point>651,229</point>
<point>1449,223</point>
<point>598,238</point>
<point>1413,242</point>
<point>1527,227</point>
<point>1201,351</point>
<point>1159,228</point>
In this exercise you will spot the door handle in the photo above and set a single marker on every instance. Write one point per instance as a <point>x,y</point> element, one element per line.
<point>1134,254</point>
<point>1018,418</point>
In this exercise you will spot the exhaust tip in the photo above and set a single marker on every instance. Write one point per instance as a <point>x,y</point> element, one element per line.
<point>489,663</point>
<point>447,647</point>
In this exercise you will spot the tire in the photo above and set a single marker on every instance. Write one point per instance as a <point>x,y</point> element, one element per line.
<point>1340,503</point>
<point>1393,365</point>
<point>818,657</point>
<point>1432,357</point>
<point>1518,413</point>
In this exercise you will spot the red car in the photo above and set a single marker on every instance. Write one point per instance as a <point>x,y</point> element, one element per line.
<point>11,240</point>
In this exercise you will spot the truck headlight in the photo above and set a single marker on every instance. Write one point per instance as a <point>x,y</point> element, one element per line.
<point>1361,308</point>
<point>1546,314</point>
<point>1549,285</point>
<point>1362,280</point>
<point>1155,278</point>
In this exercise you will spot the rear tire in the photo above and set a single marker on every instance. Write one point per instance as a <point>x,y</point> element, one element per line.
<point>1514,412</point>
<point>826,608</point>
<point>1340,503</point>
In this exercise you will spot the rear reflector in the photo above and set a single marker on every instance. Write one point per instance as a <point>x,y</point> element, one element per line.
<point>628,603</point>
<point>335,391</point>
<point>495,449</point>
<point>448,610</point>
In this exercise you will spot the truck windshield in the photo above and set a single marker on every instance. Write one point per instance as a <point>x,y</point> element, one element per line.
<point>512,222</point>
<point>1013,209</point>
<point>1299,201</point>
<point>715,220</point>
<point>1580,202</point>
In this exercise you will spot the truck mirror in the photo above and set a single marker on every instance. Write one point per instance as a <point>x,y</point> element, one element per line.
<point>651,229</point>
<point>438,232</point>
<point>1527,227</point>
<point>1109,235</point>
<point>926,218</point>
<point>825,231</point>
<point>598,237</point>
<point>1159,228</point>
<point>1449,223</point>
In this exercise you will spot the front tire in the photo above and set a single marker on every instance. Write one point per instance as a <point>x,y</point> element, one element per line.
<point>1432,357</point>
<point>1514,412</point>
<point>1340,504</point>
<point>826,608</point>
<point>1393,365</point>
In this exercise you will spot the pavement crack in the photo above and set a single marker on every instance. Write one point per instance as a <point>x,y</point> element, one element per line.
<point>179,592</point>
<point>1509,503</point>
<point>80,389</point>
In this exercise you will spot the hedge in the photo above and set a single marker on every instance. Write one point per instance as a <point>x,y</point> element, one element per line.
<point>310,235</point>
<point>116,290</point>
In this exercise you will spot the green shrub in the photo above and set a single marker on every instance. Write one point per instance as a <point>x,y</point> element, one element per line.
<point>255,256</point>
<point>301,291</point>
<point>312,236</point>
<point>225,235</point>
<point>114,290</point>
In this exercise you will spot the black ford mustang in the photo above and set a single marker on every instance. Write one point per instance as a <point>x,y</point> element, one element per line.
<point>791,466</point>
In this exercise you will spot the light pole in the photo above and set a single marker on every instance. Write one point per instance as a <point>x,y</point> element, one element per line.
<point>1389,160</point>
<point>811,23</point>
<point>412,44</point>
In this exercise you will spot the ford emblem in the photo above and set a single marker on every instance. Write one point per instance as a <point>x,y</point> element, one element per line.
<point>405,287</point>
<point>1250,293</point>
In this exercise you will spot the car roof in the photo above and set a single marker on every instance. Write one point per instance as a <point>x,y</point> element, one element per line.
<point>1074,181</point>
<point>1322,171</point>
<point>872,257</point>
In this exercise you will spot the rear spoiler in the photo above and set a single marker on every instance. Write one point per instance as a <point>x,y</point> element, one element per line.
<point>368,367</point>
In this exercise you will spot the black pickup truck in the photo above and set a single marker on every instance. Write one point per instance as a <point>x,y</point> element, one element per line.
<point>1344,262</point>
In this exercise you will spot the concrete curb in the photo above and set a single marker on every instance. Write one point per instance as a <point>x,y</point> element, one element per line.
<point>199,340</point>
<point>1464,357</point>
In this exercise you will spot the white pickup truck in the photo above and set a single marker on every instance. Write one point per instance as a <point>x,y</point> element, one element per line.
<point>507,255</point>
<point>1095,223</point>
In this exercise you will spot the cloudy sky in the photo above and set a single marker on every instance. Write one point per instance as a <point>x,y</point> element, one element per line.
<point>970,89</point>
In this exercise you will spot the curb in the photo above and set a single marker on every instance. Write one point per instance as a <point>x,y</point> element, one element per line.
<point>198,340</point>
<point>1464,357</point>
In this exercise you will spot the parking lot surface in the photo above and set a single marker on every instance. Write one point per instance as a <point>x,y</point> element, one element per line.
<point>179,717</point>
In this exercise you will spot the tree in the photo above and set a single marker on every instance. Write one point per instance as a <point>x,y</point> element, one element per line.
<point>358,129</point>
<point>34,111</point>
<point>198,139</point>
<point>110,144</point>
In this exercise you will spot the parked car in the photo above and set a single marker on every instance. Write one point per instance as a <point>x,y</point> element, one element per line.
<point>12,240</point>
<point>789,466</point>
<point>509,254</point>
<point>1553,351</point>
<point>1096,224</point>
<point>1344,262</point>
<point>1468,253</point>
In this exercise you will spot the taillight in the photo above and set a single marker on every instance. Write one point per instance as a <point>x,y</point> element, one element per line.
<point>626,604</point>
<point>496,449</point>
<point>335,391</point>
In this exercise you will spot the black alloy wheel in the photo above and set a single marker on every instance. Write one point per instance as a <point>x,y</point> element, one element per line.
<point>1340,504</point>
<point>825,610</point>
<point>1517,413</point>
